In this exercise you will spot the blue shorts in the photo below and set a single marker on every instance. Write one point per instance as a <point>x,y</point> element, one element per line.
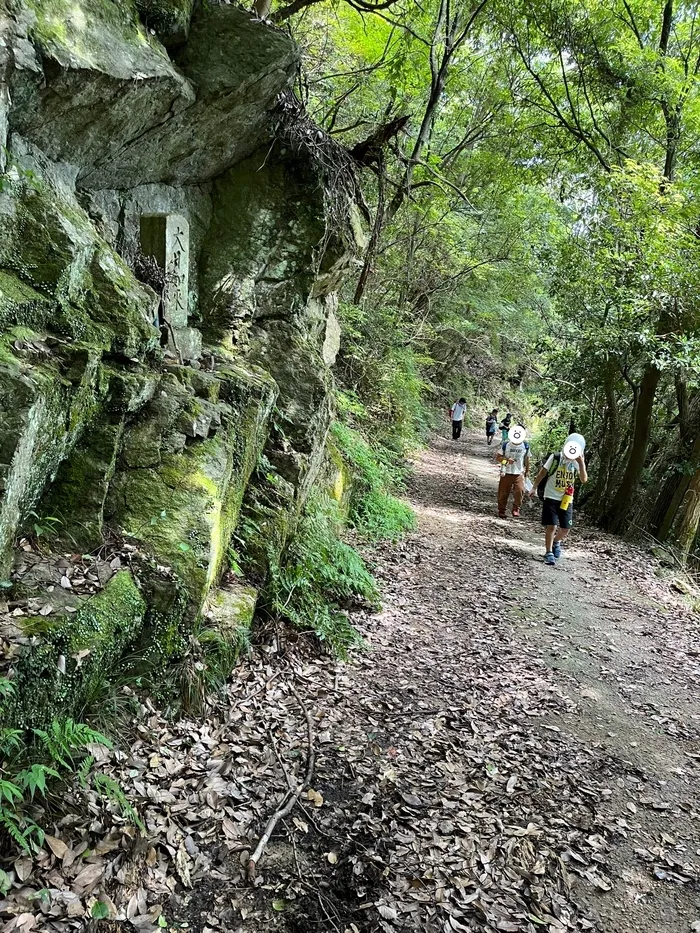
<point>553,514</point>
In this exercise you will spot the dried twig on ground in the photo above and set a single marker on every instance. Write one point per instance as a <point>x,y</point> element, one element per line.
<point>286,808</point>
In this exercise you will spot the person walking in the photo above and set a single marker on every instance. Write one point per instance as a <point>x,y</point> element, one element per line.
<point>560,470</point>
<point>457,413</point>
<point>515,466</point>
<point>504,427</point>
<point>491,426</point>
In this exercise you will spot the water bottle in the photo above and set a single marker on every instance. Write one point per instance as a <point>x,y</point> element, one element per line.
<point>567,498</point>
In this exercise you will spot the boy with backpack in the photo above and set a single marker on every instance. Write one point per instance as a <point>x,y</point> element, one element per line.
<point>515,465</point>
<point>554,485</point>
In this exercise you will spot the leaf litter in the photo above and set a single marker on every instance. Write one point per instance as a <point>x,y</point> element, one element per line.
<point>447,794</point>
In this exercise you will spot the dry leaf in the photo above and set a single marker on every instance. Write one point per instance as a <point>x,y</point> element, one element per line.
<point>58,847</point>
<point>23,867</point>
<point>182,865</point>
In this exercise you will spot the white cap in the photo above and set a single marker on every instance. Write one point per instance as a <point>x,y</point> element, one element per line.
<point>577,439</point>
<point>573,446</point>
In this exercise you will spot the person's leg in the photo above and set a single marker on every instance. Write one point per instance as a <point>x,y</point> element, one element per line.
<point>512,479</point>
<point>565,522</point>
<point>503,491</point>
<point>549,533</point>
<point>454,430</point>
<point>550,520</point>
<point>459,429</point>
<point>518,492</point>
<point>504,487</point>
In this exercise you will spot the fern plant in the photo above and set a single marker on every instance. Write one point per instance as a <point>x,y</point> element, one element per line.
<point>64,739</point>
<point>28,767</point>
<point>320,573</point>
<point>107,787</point>
<point>7,688</point>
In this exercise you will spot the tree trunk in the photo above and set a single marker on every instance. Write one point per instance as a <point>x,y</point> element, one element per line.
<point>371,251</point>
<point>609,442</point>
<point>615,517</point>
<point>683,408</point>
<point>690,517</point>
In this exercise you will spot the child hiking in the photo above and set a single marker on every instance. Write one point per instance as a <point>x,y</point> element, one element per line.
<point>491,426</point>
<point>504,427</point>
<point>515,465</point>
<point>457,416</point>
<point>560,471</point>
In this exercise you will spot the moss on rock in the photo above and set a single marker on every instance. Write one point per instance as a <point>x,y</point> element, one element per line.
<point>77,495</point>
<point>49,246</point>
<point>200,456</point>
<point>21,304</point>
<point>73,655</point>
<point>228,614</point>
<point>42,415</point>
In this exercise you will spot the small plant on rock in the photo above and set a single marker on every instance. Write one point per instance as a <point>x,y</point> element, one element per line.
<point>321,573</point>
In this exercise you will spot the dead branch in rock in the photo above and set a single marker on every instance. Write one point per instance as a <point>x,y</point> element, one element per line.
<point>294,128</point>
<point>286,808</point>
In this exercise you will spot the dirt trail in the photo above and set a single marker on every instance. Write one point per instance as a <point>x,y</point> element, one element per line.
<point>518,750</point>
<point>622,646</point>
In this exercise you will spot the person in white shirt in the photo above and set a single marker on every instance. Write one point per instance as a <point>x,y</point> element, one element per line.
<point>515,465</point>
<point>457,413</point>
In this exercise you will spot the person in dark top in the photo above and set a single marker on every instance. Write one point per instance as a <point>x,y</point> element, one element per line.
<point>504,427</point>
<point>491,426</point>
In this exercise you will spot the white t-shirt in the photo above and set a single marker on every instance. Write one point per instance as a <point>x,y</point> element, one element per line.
<point>516,453</point>
<point>458,411</point>
<point>563,476</point>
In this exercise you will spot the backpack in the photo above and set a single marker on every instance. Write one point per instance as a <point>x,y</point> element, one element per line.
<point>553,469</point>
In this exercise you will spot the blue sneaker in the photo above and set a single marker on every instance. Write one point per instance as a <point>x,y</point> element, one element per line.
<point>550,559</point>
<point>556,550</point>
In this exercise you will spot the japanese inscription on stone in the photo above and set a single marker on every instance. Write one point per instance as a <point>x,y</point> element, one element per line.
<point>166,237</point>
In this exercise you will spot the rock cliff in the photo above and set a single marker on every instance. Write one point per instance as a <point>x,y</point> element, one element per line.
<point>167,292</point>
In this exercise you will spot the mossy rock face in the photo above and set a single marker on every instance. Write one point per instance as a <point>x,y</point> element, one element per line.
<point>199,456</point>
<point>87,101</point>
<point>165,632</point>
<point>260,256</point>
<point>77,495</point>
<point>261,276</point>
<point>102,93</point>
<point>42,415</point>
<point>337,478</point>
<point>268,519</point>
<point>74,655</point>
<point>228,620</point>
<point>48,245</point>
<point>22,304</point>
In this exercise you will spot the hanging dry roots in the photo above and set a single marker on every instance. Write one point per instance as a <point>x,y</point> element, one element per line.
<point>289,801</point>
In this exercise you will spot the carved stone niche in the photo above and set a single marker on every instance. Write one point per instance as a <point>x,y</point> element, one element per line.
<point>166,238</point>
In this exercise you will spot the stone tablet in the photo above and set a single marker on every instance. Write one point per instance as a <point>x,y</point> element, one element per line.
<point>166,237</point>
